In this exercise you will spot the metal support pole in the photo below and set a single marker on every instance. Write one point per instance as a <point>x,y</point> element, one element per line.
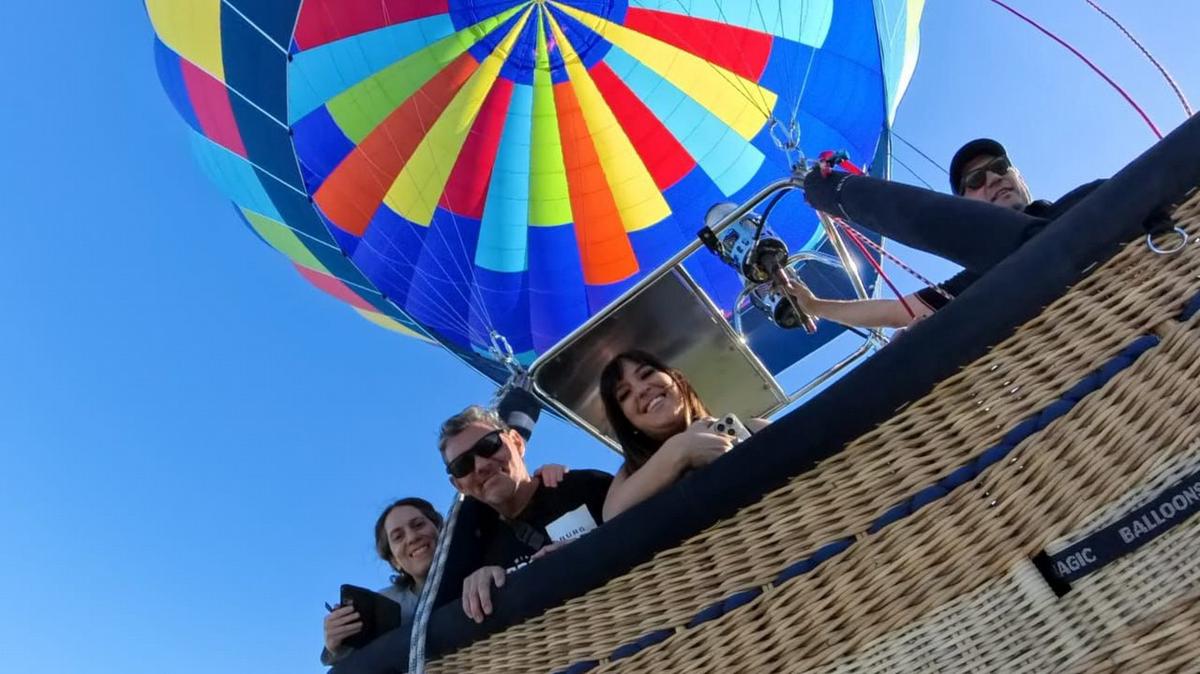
<point>843,253</point>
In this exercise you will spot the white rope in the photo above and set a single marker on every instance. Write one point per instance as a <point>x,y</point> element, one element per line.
<point>420,627</point>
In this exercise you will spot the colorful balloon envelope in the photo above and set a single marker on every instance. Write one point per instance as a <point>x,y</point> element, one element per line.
<point>456,169</point>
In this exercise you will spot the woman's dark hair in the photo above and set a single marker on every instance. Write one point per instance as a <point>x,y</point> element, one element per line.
<point>402,579</point>
<point>637,446</point>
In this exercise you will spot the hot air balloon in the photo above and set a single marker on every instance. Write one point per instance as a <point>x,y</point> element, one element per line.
<point>479,173</point>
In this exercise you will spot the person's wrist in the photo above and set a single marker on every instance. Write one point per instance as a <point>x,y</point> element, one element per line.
<point>822,191</point>
<point>678,453</point>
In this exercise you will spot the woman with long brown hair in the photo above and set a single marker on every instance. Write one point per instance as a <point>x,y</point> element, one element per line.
<point>662,425</point>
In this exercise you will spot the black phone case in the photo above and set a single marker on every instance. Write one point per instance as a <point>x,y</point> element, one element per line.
<point>378,614</point>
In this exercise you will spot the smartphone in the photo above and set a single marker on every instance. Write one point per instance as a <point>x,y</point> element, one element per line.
<point>732,426</point>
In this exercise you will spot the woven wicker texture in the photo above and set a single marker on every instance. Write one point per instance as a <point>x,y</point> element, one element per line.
<point>1092,456</point>
<point>1016,624</point>
<point>1166,642</point>
<point>947,550</point>
<point>1162,472</point>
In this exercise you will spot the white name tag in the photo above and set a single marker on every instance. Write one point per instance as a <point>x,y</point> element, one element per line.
<point>572,525</point>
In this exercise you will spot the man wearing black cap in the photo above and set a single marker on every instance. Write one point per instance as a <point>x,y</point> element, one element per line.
<point>963,230</point>
<point>981,170</point>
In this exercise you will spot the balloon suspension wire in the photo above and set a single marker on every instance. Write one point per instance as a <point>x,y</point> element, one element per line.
<point>1187,107</point>
<point>812,53</point>
<point>468,258</point>
<point>753,87</point>
<point>433,300</point>
<point>475,299</point>
<point>1088,62</point>
<point>916,149</point>
<point>908,168</point>
<point>438,303</point>
<point>742,86</point>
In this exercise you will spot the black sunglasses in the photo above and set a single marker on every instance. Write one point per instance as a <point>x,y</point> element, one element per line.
<point>977,177</point>
<point>487,446</point>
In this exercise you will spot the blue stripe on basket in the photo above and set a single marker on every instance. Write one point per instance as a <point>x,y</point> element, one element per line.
<point>1018,434</point>
<point>724,606</point>
<point>1191,308</point>
<point>805,565</point>
<point>930,494</point>
<point>644,641</point>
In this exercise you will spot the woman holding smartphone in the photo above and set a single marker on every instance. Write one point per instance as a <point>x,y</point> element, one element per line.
<point>664,429</point>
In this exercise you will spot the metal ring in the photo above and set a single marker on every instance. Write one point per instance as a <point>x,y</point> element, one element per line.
<point>1183,239</point>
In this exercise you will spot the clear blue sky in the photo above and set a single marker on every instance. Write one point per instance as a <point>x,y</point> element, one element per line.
<point>194,442</point>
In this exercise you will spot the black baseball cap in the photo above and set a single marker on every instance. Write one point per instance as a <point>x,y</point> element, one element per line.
<point>968,152</point>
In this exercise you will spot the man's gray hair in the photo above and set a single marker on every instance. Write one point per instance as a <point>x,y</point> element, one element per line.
<point>473,414</point>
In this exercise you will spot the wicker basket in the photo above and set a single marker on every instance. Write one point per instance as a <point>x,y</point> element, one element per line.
<point>1084,413</point>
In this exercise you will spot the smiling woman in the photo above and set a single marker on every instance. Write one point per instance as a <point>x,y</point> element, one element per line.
<point>405,537</point>
<point>664,428</point>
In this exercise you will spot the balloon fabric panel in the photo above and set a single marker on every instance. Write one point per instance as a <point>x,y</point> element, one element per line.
<point>460,168</point>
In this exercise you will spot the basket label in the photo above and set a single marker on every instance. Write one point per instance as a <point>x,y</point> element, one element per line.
<point>1173,506</point>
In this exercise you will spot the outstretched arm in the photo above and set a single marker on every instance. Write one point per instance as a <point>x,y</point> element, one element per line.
<point>870,313</point>
<point>692,448</point>
<point>860,313</point>
<point>971,233</point>
<point>626,491</point>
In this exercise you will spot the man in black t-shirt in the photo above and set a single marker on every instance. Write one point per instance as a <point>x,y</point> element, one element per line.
<point>509,517</point>
<point>980,171</point>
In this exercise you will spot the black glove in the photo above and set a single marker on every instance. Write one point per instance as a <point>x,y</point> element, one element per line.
<point>822,191</point>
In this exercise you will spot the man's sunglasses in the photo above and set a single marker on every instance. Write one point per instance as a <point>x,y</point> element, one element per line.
<point>978,177</point>
<point>486,447</point>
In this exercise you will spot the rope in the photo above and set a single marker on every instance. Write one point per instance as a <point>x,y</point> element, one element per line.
<point>854,236</point>
<point>1089,63</point>
<point>895,260</point>
<point>420,626</point>
<point>1187,108</point>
